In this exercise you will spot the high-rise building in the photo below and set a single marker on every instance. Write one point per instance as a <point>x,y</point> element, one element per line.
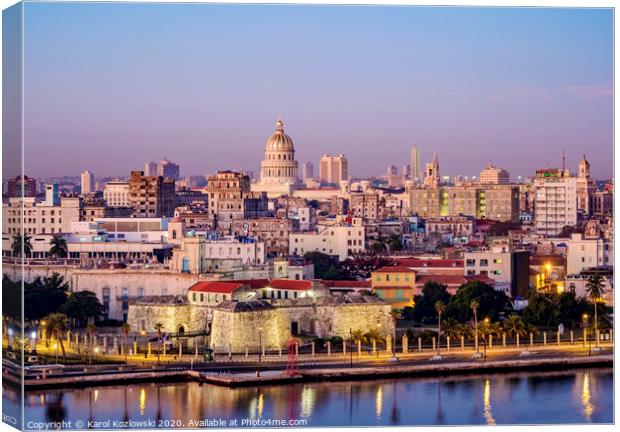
<point>230,199</point>
<point>168,169</point>
<point>392,170</point>
<point>431,178</point>
<point>22,186</point>
<point>31,216</point>
<point>416,175</point>
<point>307,171</point>
<point>88,182</point>
<point>494,175</point>
<point>150,169</point>
<point>496,202</point>
<point>116,193</point>
<point>364,205</point>
<point>555,201</point>
<point>151,196</point>
<point>333,169</point>
<point>406,171</point>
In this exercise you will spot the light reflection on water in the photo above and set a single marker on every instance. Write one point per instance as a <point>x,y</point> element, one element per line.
<point>532,398</point>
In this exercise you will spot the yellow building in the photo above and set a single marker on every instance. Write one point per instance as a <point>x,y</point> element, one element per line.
<point>395,285</point>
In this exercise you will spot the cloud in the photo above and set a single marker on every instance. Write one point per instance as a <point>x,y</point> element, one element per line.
<point>590,92</point>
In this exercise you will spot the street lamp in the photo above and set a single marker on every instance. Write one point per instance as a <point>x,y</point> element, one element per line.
<point>33,337</point>
<point>379,331</point>
<point>351,346</point>
<point>260,343</point>
<point>585,332</point>
<point>486,322</point>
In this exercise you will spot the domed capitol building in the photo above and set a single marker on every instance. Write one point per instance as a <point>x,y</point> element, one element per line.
<point>278,173</point>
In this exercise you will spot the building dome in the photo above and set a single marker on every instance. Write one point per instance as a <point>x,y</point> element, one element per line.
<point>279,141</point>
<point>279,166</point>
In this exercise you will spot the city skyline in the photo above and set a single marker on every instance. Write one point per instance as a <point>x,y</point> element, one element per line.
<point>470,83</point>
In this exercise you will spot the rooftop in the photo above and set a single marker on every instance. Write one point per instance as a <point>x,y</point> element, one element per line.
<point>435,263</point>
<point>216,287</point>
<point>243,306</point>
<point>394,269</point>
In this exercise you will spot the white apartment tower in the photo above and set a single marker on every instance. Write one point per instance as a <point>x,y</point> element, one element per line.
<point>415,165</point>
<point>494,175</point>
<point>556,201</point>
<point>333,169</point>
<point>88,182</point>
<point>150,169</point>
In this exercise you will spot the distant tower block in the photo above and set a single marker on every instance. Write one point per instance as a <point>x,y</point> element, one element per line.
<point>415,164</point>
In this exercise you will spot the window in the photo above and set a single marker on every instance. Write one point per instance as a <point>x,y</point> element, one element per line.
<point>194,296</point>
<point>484,262</point>
<point>202,297</point>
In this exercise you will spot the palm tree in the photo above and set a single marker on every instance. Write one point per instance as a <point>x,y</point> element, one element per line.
<point>56,323</point>
<point>159,326</point>
<point>595,289</point>
<point>452,328</point>
<point>125,327</point>
<point>474,307</point>
<point>21,243</point>
<point>373,334</point>
<point>514,325</point>
<point>357,335</point>
<point>59,247</point>
<point>466,331</point>
<point>440,307</point>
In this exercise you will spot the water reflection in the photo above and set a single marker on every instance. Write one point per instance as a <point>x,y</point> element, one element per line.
<point>308,396</point>
<point>518,398</point>
<point>395,414</point>
<point>586,397</point>
<point>379,402</point>
<point>142,400</point>
<point>488,415</point>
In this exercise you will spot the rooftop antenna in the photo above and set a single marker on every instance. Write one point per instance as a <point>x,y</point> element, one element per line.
<point>563,160</point>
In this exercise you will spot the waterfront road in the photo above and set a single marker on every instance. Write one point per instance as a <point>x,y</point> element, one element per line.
<point>241,363</point>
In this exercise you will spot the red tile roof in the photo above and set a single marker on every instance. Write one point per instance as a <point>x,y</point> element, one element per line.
<point>436,263</point>
<point>394,269</point>
<point>347,284</point>
<point>216,287</point>
<point>254,283</point>
<point>289,284</point>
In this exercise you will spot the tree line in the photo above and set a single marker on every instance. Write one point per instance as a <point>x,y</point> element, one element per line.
<point>47,295</point>
<point>475,300</point>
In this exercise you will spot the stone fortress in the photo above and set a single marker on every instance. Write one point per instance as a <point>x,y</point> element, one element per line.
<point>247,314</point>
